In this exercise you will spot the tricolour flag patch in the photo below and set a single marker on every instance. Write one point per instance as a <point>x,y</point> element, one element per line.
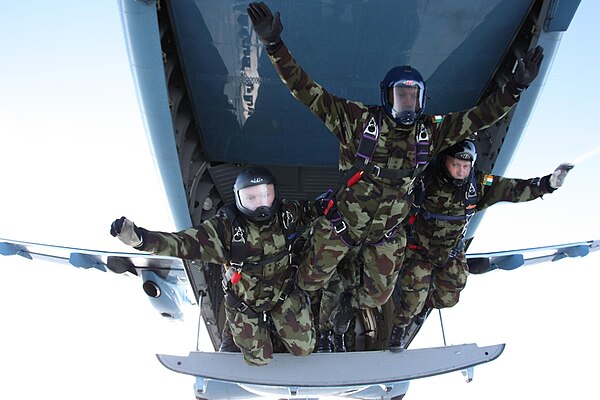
<point>488,180</point>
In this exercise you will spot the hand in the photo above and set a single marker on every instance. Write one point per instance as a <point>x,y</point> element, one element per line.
<point>267,27</point>
<point>526,70</point>
<point>126,232</point>
<point>322,201</point>
<point>558,176</point>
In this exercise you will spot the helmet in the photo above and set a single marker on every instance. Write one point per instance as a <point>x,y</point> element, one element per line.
<point>465,151</point>
<point>256,194</point>
<point>403,94</point>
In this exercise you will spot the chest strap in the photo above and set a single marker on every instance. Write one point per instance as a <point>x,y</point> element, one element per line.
<point>239,249</point>
<point>235,302</point>
<point>368,143</point>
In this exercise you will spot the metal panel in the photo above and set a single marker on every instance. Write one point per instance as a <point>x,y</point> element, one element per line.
<point>560,15</point>
<point>248,116</point>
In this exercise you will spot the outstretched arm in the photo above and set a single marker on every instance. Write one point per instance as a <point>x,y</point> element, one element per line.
<point>199,243</point>
<point>495,189</point>
<point>460,125</point>
<point>330,109</point>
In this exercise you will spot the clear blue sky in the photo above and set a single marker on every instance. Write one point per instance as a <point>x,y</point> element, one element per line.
<point>74,157</point>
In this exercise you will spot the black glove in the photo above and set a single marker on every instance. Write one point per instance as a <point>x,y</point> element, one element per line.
<point>267,27</point>
<point>322,202</point>
<point>526,70</point>
<point>126,232</point>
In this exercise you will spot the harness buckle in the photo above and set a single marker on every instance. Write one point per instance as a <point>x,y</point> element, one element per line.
<point>242,307</point>
<point>342,228</point>
<point>288,219</point>
<point>376,170</point>
<point>371,128</point>
<point>390,233</point>
<point>453,253</point>
<point>238,235</point>
<point>422,135</point>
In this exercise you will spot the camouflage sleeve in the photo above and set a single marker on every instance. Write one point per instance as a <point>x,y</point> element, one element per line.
<point>339,115</point>
<point>203,242</point>
<point>494,189</point>
<point>460,125</point>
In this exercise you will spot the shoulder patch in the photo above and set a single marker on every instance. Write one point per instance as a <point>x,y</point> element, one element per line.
<point>488,180</point>
<point>436,119</point>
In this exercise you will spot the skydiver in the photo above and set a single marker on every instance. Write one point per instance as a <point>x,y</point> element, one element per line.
<point>252,240</point>
<point>449,192</point>
<point>382,148</point>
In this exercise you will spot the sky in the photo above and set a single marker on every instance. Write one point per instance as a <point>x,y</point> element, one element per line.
<point>74,157</point>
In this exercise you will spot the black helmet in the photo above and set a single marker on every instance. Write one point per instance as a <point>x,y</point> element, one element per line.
<point>464,150</point>
<point>256,194</point>
<point>396,81</point>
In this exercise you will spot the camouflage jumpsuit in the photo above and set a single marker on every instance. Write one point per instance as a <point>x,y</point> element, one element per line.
<point>260,287</point>
<point>373,207</point>
<point>430,266</point>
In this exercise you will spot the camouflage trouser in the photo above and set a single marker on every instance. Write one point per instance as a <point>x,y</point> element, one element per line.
<point>324,301</point>
<point>448,282</point>
<point>423,284</point>
<point>292,322</point>
<point>382,262</point>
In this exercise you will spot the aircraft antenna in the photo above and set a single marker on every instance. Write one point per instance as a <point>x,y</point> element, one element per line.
<point>442,326</point>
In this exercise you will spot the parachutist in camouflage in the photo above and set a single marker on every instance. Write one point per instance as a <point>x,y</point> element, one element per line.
<point>252,240</point>
<point>449,193</point>
<point>382,149</point>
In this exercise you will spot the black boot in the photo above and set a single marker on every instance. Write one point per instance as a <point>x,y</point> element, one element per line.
<point>227,343</point>
<point>324,345</point>
<point>342,314</point>
<point>420,318</point>
<point>339,344</point>
<point>397,339</point>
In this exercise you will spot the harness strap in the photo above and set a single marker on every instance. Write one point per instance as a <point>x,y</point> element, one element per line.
<point>235,302</point>
<point>458,248</point>
<point>239,255</point>
<point>387,173</point>
<point>387,237</point>
<point>248,266</point>
<point>420,191</point>
<point>427,216</point>
<point>369,138</point>
<point>422,147</point>
<point>238,240</point>
<point>339,226</point>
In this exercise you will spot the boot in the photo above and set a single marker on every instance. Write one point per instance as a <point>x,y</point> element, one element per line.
<point>397,339</point>
<point>339,344</point>
<point>324,345</point>
<point>420,318</point>
<point>342,314</point>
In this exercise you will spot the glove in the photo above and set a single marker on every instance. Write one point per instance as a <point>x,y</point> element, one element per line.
<point>526,70</point>
<point>558,176</point>
<point>322,202</point>
<point>267,27</point>
<point>127,232</point>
